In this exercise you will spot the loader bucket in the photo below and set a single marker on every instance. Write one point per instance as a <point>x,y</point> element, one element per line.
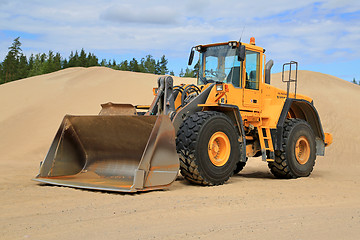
<point>112,153</point>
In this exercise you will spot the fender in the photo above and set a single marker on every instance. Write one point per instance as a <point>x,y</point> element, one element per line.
<point>302,109</point>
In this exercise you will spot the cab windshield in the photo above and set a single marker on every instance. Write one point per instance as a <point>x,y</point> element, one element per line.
<point>219,64</point>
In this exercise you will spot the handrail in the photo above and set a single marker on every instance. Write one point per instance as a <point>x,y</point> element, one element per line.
<point>290,80</point>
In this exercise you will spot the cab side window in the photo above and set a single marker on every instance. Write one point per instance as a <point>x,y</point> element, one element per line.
<point>252,70</point>
<point>234,73</point>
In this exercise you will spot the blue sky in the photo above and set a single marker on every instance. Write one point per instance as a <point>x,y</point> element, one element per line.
<point>322,36</point>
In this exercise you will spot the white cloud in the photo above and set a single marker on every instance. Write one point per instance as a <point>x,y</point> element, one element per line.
<point>344,6</point>
<point>126,13</point>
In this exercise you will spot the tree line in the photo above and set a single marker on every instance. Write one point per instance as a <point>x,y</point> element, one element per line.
<point>17,66</point>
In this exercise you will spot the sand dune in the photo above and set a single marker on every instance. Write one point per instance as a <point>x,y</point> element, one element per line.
<point>251,205</point>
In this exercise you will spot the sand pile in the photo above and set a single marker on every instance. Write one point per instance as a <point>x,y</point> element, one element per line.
<point>252,205</point>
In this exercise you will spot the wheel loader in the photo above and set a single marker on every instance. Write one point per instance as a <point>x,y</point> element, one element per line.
<point>207,131</point>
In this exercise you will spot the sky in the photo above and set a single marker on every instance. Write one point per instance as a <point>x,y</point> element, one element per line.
<point>322,35</point>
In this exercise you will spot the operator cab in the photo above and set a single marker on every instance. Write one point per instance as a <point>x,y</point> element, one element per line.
<point>223,63</point>
<point>219,64</point>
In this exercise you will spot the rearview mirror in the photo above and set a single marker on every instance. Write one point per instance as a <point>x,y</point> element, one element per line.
<point>240,52</point>
<point>191,57</point>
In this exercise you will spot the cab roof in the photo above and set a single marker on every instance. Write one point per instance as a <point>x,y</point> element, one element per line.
<point>231,43</point>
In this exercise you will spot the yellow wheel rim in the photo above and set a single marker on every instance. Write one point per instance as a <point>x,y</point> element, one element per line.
<point>302,150</point>
<point>219,149</point>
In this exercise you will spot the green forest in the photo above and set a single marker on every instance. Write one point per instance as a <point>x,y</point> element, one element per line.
<point>17,66</point>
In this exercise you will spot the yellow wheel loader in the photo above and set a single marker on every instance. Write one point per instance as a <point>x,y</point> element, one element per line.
<point>207,131</point>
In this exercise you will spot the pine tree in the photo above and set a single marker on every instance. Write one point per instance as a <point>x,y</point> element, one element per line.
<point>124,66</point>
<point>31,63</point>
<point>57,62</point>
<point>10,65</point>
<point>142,65</point>
<point>1,73</point>
<point>82,62</point>
<point>92,60</point>
<point>15,47</point>
<point>71,62</point>
<point>23,67</point>
<point>74,59</point>
<point>355,82</point>
<point>43,58</point>
<point>189,73</point>
<point>157,67</point>
<point>162,66</point>
<point>134,65</point>
<point>12,61</point>
<point>149,64</point>
<point>113,63</point>
<point>103,63</point>
<point>37,67</point>
<point>49,63</point>
<point>65,64</point>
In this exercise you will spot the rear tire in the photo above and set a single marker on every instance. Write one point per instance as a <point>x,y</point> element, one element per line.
<point>297,159</point>
<point>208,148</point>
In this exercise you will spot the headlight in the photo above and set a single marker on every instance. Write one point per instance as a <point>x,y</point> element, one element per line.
<point>233,44</point>
<point>219,87</point>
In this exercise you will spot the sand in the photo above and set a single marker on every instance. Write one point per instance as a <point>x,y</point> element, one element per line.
<point>252,205</point>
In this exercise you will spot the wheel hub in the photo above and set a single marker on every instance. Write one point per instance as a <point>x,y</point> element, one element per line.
<point>219,149</point>
<point>302,150</point>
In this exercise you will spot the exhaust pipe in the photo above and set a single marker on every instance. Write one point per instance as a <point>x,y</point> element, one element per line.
<point>268,67</point>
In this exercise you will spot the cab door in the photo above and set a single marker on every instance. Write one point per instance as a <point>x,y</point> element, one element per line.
<point>251,96</point>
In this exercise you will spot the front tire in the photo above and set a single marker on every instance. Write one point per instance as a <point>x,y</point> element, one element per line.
<point>208,147</point>
<point>297,159</point>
